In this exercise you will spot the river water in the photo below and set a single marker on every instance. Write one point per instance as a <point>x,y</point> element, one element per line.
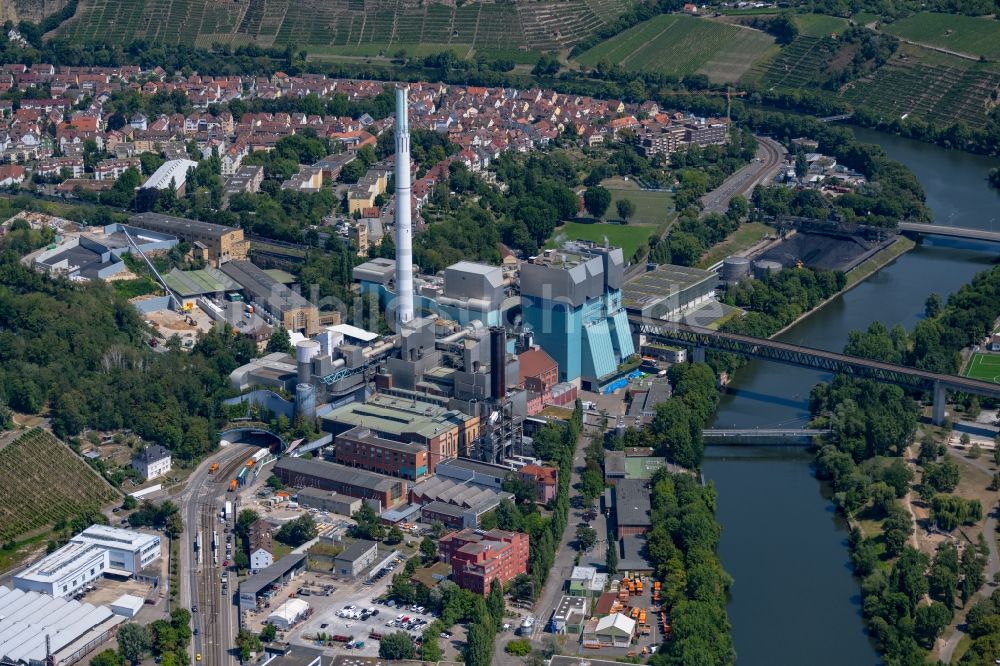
<point>794,600</point>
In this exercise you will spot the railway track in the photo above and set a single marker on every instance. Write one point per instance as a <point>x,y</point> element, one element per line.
<point>208,598</point>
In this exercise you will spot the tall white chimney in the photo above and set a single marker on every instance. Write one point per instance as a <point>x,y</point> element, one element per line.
<point>404,228</point>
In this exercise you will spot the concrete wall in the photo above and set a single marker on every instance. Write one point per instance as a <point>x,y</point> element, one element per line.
<point>152,304</point>
<point>267,399</point>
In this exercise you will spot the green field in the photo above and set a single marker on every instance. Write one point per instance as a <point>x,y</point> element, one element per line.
<point>743,238</point>
<point>655,208</point>
<point>964,34</point>
<point>985,367</point>
<point>819,25</point>
<point>626,236</point>
<point>676,44</point>
<point>42,481</point>
<point>546,25</point>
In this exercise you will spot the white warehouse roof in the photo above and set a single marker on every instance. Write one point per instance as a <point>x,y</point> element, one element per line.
<point>127,605</point>
<point>26,618</point>
<point>289,611</point>
<point>170,171</point>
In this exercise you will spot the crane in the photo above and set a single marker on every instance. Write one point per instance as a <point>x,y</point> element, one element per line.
<point>729,94</point>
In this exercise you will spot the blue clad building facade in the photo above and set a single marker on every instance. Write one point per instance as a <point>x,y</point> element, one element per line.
<point>571,300</point>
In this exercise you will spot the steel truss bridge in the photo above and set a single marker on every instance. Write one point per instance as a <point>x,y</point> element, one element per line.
<point>701,339</point>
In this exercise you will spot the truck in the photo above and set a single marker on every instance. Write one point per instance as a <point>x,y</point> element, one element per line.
<point>339,638</point>
<point>232,485</point>
<point>213,468</point>
<point>229,510</point>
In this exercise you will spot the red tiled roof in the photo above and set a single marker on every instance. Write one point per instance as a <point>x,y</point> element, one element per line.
<point>534,362</point>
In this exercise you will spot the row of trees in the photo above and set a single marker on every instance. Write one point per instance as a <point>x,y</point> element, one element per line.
<point>166,639</point>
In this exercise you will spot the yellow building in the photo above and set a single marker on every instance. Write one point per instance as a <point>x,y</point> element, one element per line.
<point>216,243</point>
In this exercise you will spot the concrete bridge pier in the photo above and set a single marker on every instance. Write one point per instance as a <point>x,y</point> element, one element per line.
<point>698,355</point>
<point>940,402</point>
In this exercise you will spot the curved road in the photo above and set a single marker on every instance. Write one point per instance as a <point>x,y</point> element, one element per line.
<point>770,155</point>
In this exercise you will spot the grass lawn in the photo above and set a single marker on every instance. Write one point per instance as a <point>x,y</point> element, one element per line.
<point>819,25</point>
<point>985,367</point>
<point>965,34</point>
<point>745,237</point>
<point>653,208</point>
<point>677,44</point>
<point>626,236</point>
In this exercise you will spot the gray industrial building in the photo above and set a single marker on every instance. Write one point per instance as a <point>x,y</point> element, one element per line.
<point>287,307</point>
<point>355,558</point>
<point>279,573</point>
<point>668,290</point>
<point>632,507</point>
<point>299,472</point>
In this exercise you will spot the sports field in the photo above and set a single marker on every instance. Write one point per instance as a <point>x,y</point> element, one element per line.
<point>626,236</point>
<point>676,44</point>
<point>965,34</point>
<point>985,367</point>
<point>655,208</point>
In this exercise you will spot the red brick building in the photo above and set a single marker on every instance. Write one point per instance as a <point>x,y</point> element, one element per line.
<point>478,558</point>
<point>360,447</point>
<point>539,372</point>
<point>546,479</point>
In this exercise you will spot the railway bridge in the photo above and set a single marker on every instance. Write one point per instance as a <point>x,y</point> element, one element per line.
<point>700,339</point>
<point>785,436</point>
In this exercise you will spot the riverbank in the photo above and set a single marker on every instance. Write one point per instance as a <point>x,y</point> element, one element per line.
<point>858,275</point>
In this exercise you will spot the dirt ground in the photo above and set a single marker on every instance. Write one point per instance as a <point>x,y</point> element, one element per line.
<point>168,323</point>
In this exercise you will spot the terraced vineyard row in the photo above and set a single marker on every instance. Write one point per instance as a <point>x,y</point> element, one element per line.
<point>533,25</point>
<point>797,65</point>
<point>938,94</point>
<point>43,481</point>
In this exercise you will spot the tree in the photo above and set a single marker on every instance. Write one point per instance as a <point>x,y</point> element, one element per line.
<point>611,559</point>
<point>247,643</point>
<point>394,536</point>
<point>175,525</point>
<point>429,648</point>
<point>932,306</point>
<point>428,549</point>
<point>244,520</point>
<point>479,645</point>
<point>280,341</point>
<point>596,200</point>
<point>268,633</point>
<point>298,531</point>
<point>397,645</point>
<point>519,647</point>
<point>942,477</point>
<point>106,658</point>
<point>965,440</point>
<point>495,603</point>
<point>586,537</point>
<point>129,503</point>
<point>626,209</point>
<point>930,621</point>
<point>134,642</point>
<point>976,451</point>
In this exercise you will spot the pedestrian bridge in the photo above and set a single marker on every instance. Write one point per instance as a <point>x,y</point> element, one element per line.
<point>701,339</point>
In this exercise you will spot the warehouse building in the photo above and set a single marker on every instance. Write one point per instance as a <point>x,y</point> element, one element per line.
<point>38,629</point>
<point>288,614</point>
<point>259,585</point>
<point>214,243</point>
<point>668,291</point>
<point>615,630</point>
<point>291,309</point>
<point>314,498</point>
<point>360,447</point>
<point>632,507</point>
<point>172,173</point>
<point>569,615</point>
<point>97,551</point>
<point>356,558</point>
<point>299,472</point>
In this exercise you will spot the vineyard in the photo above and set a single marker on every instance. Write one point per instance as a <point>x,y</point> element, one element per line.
<point>675,44</point>
<point>43,481</point>
<point>350,24</point>
<point>964,34</point>
<point>936,93</point>
<point>799,64</point>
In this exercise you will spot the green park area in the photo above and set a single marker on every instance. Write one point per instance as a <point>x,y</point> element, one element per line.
<point>985,367</point>
<point>964,34</point>
<point>721,51</point>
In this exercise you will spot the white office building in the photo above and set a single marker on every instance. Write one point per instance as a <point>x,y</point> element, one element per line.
<point>96,551</point>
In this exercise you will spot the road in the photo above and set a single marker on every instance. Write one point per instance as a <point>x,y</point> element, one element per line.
<point>770,155</point>
<point>200,503</point>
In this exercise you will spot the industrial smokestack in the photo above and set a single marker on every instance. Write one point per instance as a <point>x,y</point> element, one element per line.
<point>305,352</point>
<point>498,362</point>
<point>404,229</point>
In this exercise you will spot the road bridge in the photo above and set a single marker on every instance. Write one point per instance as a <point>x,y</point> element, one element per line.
<point>950,232</point>
<point>701,339</point>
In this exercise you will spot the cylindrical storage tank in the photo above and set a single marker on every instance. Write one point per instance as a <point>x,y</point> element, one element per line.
<point>761,268</point>
<point>305,352</point>
<point>305,401</point>
<point>734,268</point>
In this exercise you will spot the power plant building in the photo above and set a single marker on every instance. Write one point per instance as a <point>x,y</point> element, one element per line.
<point>289,308</point>
<point>668,290</point>
<point>571,299</point>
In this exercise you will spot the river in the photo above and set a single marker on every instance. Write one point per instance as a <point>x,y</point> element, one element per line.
<point>794,600</point>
